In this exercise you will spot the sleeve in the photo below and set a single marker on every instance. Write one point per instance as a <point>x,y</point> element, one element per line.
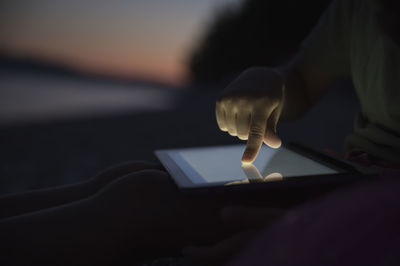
<point>328,45</point>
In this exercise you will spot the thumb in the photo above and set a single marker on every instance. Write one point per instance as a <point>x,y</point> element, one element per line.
<point>271,138</point>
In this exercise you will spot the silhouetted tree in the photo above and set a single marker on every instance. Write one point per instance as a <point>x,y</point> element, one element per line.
<point>258,32</point>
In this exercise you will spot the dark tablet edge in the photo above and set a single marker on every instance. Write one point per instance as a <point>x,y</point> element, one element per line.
<point>299,182</point>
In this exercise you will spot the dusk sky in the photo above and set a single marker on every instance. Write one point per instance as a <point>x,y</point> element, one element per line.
<point>150,38</point>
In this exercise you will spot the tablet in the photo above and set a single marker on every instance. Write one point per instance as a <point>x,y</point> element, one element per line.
<point>220,167</point>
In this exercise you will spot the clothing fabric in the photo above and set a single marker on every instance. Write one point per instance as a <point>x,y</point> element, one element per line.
<point>358,225</point>
<point>348,42</point>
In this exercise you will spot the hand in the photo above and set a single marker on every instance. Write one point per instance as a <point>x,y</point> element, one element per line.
<point>246,220</point>
<point>250,108</point>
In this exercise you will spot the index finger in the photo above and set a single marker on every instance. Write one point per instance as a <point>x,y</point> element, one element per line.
<point>256,136</point>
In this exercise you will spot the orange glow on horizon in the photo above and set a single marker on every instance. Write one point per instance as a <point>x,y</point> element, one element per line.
<point>164,70</point>
<point>143,38</point>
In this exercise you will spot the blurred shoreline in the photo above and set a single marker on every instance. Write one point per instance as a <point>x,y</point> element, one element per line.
<point>34,65</point>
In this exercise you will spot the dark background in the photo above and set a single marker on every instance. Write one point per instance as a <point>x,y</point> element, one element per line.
<point>37,153</point>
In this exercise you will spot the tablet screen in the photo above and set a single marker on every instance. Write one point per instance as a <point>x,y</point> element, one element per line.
<point>222,165</point>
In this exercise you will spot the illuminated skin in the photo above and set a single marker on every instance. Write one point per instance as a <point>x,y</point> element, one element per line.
<point>127,210</point>
<point>254,176</point>
<point>304,84</point>
<point>251,105</point>
<point>250,111</point>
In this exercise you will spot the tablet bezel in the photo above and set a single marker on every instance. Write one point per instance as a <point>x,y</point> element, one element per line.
<point>347,173</point>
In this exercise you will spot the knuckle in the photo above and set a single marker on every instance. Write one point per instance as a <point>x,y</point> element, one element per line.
<point>255,136</point>
<point>231,118</point>
<point>262,108</point>
<point>242,137</point>
<point>242,130</point>
<point>232,131</point>
<point>221,125</point>
<point>223,103</point>
<point>218,117</point>
<point>259,114</point>
<point>231,128</point>
<point>257,130</point>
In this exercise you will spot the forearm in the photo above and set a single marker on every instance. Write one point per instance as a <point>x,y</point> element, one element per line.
<point>295,101</point>
<point>304,85</point>
<point>67,235</point>
<point>36,200</point>
<point>138,216</point>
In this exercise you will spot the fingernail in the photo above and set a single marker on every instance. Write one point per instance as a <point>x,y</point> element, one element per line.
<point>247,157</point>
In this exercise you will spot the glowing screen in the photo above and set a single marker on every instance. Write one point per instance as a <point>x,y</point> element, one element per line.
<point>223,165</point>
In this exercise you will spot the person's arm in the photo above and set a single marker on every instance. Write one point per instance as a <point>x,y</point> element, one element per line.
<point>137,216</point>
<point>304,85</point>
<point>36,200</point>
<point>251,105</point>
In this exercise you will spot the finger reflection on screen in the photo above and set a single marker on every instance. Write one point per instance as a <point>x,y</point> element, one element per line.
<point>273,177</point>
<point>252,172</point>
<point>254,176</point>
